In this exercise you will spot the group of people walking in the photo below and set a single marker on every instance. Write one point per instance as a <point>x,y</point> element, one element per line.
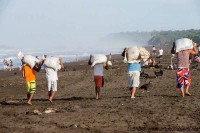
<point>8,65</point>
<point>30,78</point>
<point>183,78</point>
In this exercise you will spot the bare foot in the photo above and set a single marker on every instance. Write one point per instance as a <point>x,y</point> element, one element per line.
<point>188,94</point>
<point>132,97</point>
<point>29,103</point>
<point>51,101</point>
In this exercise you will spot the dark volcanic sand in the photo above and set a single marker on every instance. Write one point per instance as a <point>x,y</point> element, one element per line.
<point>159,110</point>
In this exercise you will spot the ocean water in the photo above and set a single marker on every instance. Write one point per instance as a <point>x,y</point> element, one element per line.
<point>68,55</point>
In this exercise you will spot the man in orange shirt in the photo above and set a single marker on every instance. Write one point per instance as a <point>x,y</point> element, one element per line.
<point>29,75</point>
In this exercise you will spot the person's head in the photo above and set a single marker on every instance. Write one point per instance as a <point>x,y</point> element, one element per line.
<point>125,49</point>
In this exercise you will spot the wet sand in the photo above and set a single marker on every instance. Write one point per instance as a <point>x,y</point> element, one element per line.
<point>161,109</point>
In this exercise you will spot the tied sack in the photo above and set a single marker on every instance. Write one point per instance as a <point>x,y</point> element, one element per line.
<point>98,59</point>
<point>30,60</point>
<point>133,55</point>
<point>183,44</point>
<point>144,54</point>
<point>52,62</point>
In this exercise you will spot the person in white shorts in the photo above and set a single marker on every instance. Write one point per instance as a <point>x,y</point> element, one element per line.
<point>5,64</point>
<point>133,75</point>
<point>52,78</point>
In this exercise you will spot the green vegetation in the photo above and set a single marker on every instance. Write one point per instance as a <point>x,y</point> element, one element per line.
<point>154,37</point>
<point>168,37</point>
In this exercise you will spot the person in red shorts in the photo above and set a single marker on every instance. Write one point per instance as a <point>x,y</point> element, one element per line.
<point>98,76</point>
<point>183,72</point>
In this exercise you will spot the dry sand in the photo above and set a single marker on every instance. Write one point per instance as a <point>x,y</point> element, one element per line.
<point>162,109</point>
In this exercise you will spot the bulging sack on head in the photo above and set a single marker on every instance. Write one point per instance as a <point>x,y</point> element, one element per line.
<point>52,62</point>
<point>98,59</point>
<point>183,44</point>
<point>144,54</point>
<point>133,54</point>
<point>30,60</point>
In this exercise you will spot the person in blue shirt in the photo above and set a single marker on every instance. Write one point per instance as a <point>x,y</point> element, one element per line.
<point>133,74</point>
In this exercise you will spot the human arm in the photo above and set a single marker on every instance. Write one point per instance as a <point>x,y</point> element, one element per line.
<point>173,50</point>
<point>89,61</point>
<point>193,51</point>
<point>105,65</point>
<point>23,71</point>
<point>124,52</point>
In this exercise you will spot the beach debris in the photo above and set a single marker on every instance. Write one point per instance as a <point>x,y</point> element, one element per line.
<point>36,112</point>
<point>76,107</point>
<point>4,85</point>
<point>50,110</point>
<point>10,102</point>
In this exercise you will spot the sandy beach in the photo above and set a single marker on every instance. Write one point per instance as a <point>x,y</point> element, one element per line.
<point>161,109</point>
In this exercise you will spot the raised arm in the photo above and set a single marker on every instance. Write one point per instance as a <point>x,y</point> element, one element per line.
<point>123,53</point>
<point>193,51</point>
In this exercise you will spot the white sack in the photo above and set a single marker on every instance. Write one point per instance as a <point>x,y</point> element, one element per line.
<point>144,54</point>
<point>133,54</point>
<point>98,59</point>
<point>109,63</point>
<point>183,44</point>
<point>30,60</point>
<point>20,55</point>
<point>52,62</point>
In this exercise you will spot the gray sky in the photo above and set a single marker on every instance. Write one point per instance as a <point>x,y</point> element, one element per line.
<point>81,23</point>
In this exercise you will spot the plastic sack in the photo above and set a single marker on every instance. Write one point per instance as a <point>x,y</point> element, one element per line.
<point>183,44</point>
<point>52,62</point>
<point>144,54</point>
<point>133,55</point>
<point>98,59</point>
<point>20,55</point>
<point>30,60</point>
<point>109,63</point>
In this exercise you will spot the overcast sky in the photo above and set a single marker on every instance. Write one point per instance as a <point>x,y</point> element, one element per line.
<point>79,23</point>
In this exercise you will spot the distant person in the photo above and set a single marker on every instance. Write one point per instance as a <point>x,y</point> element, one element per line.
<point>11,65</point>
<point>110,56</point>
<point>76,58</point>
<point>30,78</point>
<point>160,53</point>
<point>5,64</point>
<point>183,72</point>
<point>199,50</point>
<point>154,50</point>
<point>52,78</point>
<point>133,75</point>
<point>98,76</point>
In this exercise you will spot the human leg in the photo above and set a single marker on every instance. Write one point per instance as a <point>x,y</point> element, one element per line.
<point>30,99</point>
<point>98,84</point>
<point>31,88</point>
<point>133,92</point>
<point>134,81</point>
<point>187,91</point>
<point>182,91</point>
<point>53,91</point>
